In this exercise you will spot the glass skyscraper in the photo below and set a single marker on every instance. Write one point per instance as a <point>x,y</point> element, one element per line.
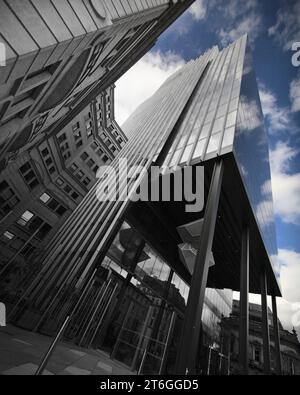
<point>121,267</point>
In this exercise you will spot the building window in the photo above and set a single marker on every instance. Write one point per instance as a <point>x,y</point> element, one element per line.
<point>61,210</point>
<point>34,225</point>
<point>62,138</point>
<point>80,175</point>
<point>8,235</point>
<point>53,204</point>
<point>84,156</point>
<point>75,195</point>
<point>76,126</point>
<point>45,152</point>
<point>67,189</point>
<point>94,146</point>
<point>99,152</point>
<point>79,144</point>
<point>86,181</point>
<point>45,198</point>
<point>73,167</point>
<point>8,199</point>
<point>95,169</point>
<point>292,367</point>
<point>105,158</point>
<point>59,182</point>
<point>25,218</point>
<point>256,354</point>
<point>49,161</point>
<point>27,251</point>
<point>91,163</point>
<point>29,176</point>
<point>43,232</point>
<point>64,147</point>
<point>67,155</point>
<point>77,134</point>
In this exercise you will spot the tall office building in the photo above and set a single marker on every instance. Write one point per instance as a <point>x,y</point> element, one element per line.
<point>48,180</point>
<point>60,54</point>
<point>149,281</point>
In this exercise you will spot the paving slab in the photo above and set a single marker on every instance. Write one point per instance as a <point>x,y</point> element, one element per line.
<point>22,351</point>
<point>77,371</point>
<point>27,369</point>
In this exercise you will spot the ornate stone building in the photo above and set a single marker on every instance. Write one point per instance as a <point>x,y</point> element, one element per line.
<point>290,346</point>
<point>61,53</point>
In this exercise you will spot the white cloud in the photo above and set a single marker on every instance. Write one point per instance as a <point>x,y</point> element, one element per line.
<point>265,213</point>
<point>198,10</point>
<point>286,30</point>
<point>250,24</point>
<point>295,94</point>
<point>288,306</point>
<point>142,80</point>
<point>252,112</point>
<point>278,118</point>
<point>290,274</point>
<point>286,186</point>
<point>240,18</point>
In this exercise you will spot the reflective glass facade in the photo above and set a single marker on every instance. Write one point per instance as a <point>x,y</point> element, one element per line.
<point>208,128</point>
<point>251,150</point>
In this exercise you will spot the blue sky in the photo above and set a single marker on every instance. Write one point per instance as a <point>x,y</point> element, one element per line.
<point>273,25</point>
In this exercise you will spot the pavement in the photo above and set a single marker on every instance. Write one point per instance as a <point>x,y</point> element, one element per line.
<point>21,352</point>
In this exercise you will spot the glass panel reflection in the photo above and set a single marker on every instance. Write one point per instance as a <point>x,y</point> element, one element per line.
<point>252,153</point>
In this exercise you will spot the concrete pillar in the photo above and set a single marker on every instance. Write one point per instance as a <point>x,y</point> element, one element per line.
<point>276,337</point>
<point>244,304</point>
<point>265,323</point>
<point>187,358</point>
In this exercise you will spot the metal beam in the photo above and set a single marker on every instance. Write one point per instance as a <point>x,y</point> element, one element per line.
<point>265,323</point>
<point>244,304</point>
<point>187,358</point>
<point>276,337</point>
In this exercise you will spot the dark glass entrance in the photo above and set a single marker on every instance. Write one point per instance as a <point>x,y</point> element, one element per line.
<point>134,307</point>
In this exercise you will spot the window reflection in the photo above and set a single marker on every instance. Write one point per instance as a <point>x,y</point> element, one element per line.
<point>252,153</point>
<point>179,292</point>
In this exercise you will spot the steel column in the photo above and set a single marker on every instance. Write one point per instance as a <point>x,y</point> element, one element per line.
<point>265,323</point>
<point>244,304</point>
<point>187,359</point>
<point>276,337</point>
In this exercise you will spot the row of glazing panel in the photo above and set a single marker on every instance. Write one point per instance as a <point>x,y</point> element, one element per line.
<point>76,249</point>
<point>209,127</point>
